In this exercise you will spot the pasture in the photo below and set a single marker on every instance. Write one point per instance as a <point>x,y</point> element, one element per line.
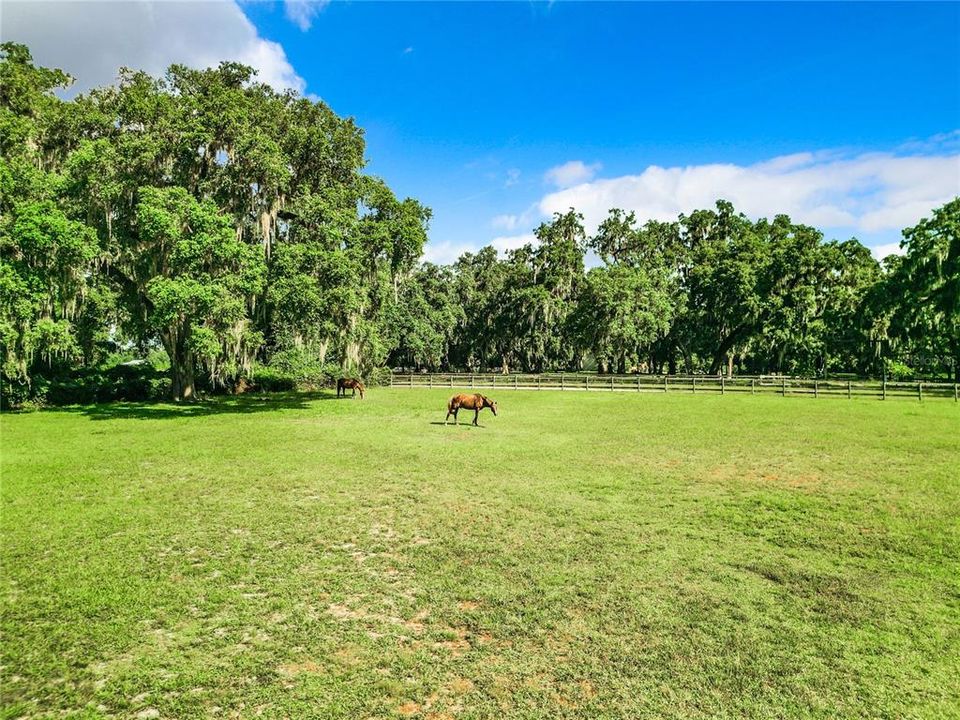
<point>581,555</point>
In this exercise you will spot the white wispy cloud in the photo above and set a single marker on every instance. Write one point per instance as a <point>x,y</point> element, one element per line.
<point>512,242</point>
<point>519,221</point>
<point>506,222</point>
<point>571,173</point>
<point>882,251</point>
<point>302,12</point>
<point>92,40</point>
<point>865,193</point>
<point>513,177</point>
<point>445,252</point>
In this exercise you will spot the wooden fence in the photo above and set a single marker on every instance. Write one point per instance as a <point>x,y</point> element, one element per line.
<point>708,384</point>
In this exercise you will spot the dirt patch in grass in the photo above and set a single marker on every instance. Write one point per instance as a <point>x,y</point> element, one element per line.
<point>305,667</point>
<point>342,612</point>
<point>460,686</point>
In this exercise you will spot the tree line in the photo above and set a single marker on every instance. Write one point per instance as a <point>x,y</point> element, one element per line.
<point>710,292</point>
<point>206,218</point>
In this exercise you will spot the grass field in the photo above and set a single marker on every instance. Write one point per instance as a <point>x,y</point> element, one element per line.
<point>581,555</point>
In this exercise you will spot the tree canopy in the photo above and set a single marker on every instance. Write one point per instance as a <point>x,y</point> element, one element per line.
<point>208,217</point>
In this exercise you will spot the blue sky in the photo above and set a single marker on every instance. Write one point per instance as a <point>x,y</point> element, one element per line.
<point>845,116</point>
<point>466,106</point>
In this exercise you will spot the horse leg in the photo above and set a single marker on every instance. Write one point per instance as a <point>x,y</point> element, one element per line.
<point>476,414</point>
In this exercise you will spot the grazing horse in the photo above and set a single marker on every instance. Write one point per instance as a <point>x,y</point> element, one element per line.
<point>470,402</point>
<point>345,384</point>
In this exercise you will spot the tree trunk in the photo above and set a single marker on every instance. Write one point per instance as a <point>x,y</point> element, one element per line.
<point>183,386</point>
<point>725,346</point>
<point>730,365</point>
<point>184,389</point>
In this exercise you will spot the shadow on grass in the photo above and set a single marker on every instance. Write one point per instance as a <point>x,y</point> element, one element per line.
<point>225,405</point>
<point>469,424</point>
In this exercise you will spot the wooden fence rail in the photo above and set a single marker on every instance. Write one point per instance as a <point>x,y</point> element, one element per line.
<point>710,384</point>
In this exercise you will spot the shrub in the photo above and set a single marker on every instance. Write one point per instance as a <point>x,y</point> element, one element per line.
<point>304,368</point>
<point>379,376</point>
<point>897,370</point>
<point>270,379</point>
<point>15,394</point>
<point>131,382</point>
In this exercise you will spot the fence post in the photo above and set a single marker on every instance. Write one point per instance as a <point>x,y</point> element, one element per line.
<point>849,389</point>
<point>664,382</point>
<point>561,381</point>
<point>816,388</point>
<point>956,396</point>
<point>411,379</point>
<point>884,390</point>
<point>638,382</point>
<point>494,381</point>
<point>471,379</point>
<point>450,378</point>
<point>694,384</point>
<point>514,382</point>
<point>753,386</point>
<point>723,385</point>
<point>783,386</point>
<point>391,379</point>
<point>538,382</point>
<point>920,391</point>
<point>586,382</point>
<point>611,383</point>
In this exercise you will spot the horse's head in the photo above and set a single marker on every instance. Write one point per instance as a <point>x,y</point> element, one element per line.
<point>492,404</point>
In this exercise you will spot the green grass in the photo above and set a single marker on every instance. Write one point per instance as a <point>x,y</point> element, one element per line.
<point>581,555</point>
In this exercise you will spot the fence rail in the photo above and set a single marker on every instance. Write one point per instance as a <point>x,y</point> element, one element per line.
<point>712,384</point>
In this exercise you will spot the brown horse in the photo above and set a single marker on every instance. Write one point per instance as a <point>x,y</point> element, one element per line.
<point>345,384</point>
<point>470,402</point>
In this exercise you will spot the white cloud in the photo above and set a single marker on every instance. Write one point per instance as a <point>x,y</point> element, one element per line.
<point>445,252</point>
<point>939,142</point>
<point>302,12</point>
<point>512,242</point>
<point>571,173</point>
<point>522,220</point>
<point>506,222</point>
<point>92,40</point>
<point>882,251</point>
<point>867,193</point>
